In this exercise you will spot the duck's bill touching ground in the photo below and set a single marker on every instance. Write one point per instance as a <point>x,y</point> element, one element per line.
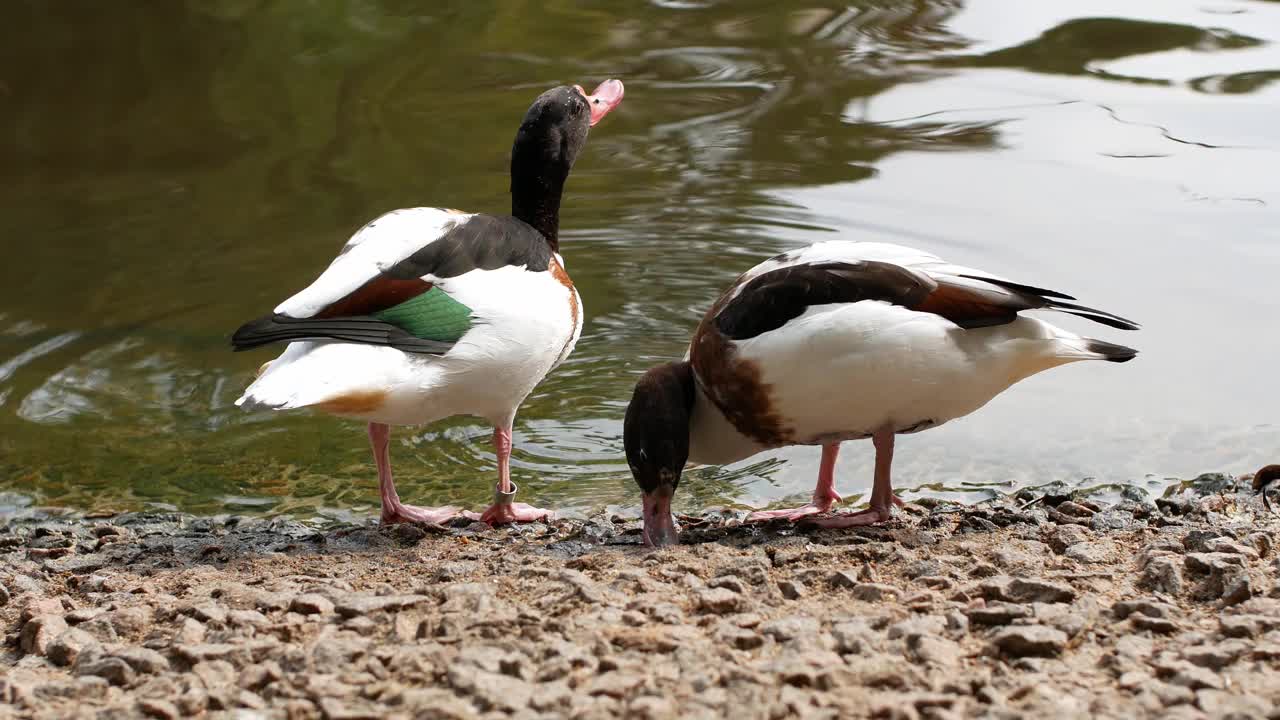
<point>659,526</point>
<point>608,95</point>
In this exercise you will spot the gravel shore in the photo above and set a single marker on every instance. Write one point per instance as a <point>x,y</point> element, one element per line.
<point>1037,605</point>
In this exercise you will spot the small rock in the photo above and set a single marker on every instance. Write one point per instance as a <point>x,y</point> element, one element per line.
<point>1088,552</point>
<point>1236,588</point>
<point>1030,641</point>
<point>1061,537</point>
<point>1171,695</point>
<point>728,582</point>
<point>1197,678</point>
<point>190,632</point>
<point>996,613</point>
<point>1227,545</point>
<point>1151,607</point>
<point>935,650</point>
<point>788,628</point>
<point>142,660</point>
<point>69,645</point>
<point>1205,563</point>
<point>112,669</point>
<point>923,568</point>
<point>740,638</point>
<point>719,601</point>
<point>1036,590</point>
<point>1164,626</point>
<point>209,613</point>
<point>311,604</point>
<point>1162,574</point>
<point>854,637</point>
<point>791,589</point>
<point>364,604</point>
<point>1218,655</point>
<point>39,632</point>
<point>156,708</point>
<point>873,592</point>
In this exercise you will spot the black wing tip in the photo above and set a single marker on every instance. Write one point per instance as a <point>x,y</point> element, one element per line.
<point>277,328</point>
<point>254,333</point>
<point>1112,352</point>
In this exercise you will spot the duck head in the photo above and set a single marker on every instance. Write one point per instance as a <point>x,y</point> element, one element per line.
<point>1262,479</point>
<point>656,438</point>
<point>553,132</point>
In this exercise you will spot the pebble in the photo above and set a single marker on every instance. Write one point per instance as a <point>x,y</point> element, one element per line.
<point>311,604</point>
<point>40,631</point>
<point>789,628</point>
<point>791,589</point>
<point>719,601</point>
<point>1029,641</point>
<point>69,645</point>
<point>1162,574</point>
<point>1088,552</point>
<point>873,592</point>
<point>996,613</point>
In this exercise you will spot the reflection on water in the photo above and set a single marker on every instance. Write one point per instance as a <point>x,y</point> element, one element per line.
<point>170,172</point>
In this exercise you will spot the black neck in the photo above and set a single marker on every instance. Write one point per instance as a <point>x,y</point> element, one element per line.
<point>535,199</point>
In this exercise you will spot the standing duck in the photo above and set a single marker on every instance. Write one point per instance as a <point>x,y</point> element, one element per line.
<point>428,313</point>
<point>841,341</point>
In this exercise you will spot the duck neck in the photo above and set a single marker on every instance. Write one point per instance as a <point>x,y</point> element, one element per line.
<point>536,187</point>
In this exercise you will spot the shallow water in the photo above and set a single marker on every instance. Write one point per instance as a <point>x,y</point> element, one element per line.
<point>171,172</point>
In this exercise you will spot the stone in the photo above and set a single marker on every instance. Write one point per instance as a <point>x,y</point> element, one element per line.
<point>1151,607</point>
<point>1029,641</point>
<point>1205,563</point>
<point>1164,626</point>
<point>1233,704</point>
<point>1162,574</point>
<point>1227,545</point>
<point>1196,678</point>
<point>113,669</point>
<point>157,708</point>
<point>719,601</point>
<point>257,677</point>
<point>1036,590</point>
<point>853,637</point>
<point>353,605</point>
<point>142,660</point>
<point>39,632</point>
<point>996,613</point>
<point>1088,552</point>
<point>873,592</point>
<point>1237,587</point>
<point>69,645</point>
<point>1061,537</point>
<point>740,638</point>
<point>1246,626</point>
<point>728,582</point>
<point>917,627</point>
<point>311,604</point>
<point>190,632</point>
<point>615,684</point>
<point>1216,656</point>
<point>789,628</point>
<point>935,650</point>
<point>791,589</point>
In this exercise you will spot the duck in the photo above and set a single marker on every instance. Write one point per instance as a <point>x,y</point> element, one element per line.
<point>841,340</point>
<point>1264,477</point>
<point>427,313</point>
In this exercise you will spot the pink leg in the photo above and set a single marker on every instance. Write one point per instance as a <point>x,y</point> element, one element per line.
<point>824,493</point>
<point>882,497</point>
<point>503,510</point>
<point>394,511</point>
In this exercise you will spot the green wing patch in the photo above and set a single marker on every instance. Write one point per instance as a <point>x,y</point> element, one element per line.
<point>433,315</point>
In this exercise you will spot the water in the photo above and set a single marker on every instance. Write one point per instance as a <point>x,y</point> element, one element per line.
<point>170,172</point>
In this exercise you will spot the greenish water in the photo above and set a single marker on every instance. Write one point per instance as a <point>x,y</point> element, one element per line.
<point>172,170</point>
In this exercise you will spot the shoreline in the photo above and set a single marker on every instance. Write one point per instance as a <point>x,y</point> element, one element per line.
<point>1037,604</point>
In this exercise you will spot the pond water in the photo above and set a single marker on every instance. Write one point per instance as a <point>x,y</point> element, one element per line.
<point>171,172</point>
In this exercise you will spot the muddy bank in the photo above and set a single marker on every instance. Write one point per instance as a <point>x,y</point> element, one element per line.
<point>1036,605</point>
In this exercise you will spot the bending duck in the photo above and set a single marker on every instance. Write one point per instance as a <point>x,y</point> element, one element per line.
<point>428,313</point>
<point>841,341</point>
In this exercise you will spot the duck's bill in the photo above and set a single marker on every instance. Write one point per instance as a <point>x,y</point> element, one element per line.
<point>608,95</point>
<point>659,527</point>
